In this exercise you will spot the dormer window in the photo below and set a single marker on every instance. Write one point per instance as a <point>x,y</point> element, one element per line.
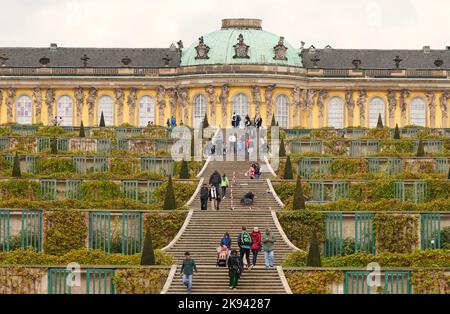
<point>44,60</point>
<point>126,60</point>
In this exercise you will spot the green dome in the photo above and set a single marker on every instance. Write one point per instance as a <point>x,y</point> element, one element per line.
<point>221,51</point>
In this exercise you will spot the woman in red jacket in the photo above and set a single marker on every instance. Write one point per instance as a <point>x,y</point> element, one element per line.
<point>256,244</point>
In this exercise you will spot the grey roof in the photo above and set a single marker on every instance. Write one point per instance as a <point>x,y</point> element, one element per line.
<point>98,57</point>
<point>375,59</point>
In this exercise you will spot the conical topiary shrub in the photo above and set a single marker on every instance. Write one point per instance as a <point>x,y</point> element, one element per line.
<point>148,255</point>
<point>420,149</point>
<point>299,200</point>
<point>273,123</point>
<point>396,132</point>
<point>82,133</point>
<point>54,146</point>
<point>379,122</point>
<point>205,122</point>
<point>313,259</point>
<point>102,121</point>
<point>192,147</point>
<point>169,200</point>
<point>16,167</point>
<point>448,176</point>
<point>184,170</point>
<point>282,151</point>
<point>288,170</point>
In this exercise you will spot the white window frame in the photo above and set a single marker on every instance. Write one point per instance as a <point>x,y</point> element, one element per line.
<point>336,113</point>
<point>418,116</point>
<point>65,102</point>
<point>241,105</point>
<point>146,110</point>
<point>376,105</point>
<point>106,104</point>
<point>282,110</point>
<point>24,104</point>
<point>198,110</point>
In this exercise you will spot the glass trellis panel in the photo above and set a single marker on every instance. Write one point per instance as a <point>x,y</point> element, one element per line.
<point>7,161</point>
<point>99,281</point>
<point>73,189</point>
<point>131,232</point>
<point>397,282</point>
<point>340,189</point>
<point>104,145</point>
<point>80,164</point>
<point>295,133</point>
<point>394,166</point>
<point>430,231</point>
<point>5,219</point>
<point>123,144</point>
<point>63,144</point>
<point>305,168</point>
<point>315,146</point>
<point>325,165</point>
<point>31,164</point>
<point>130,189</point>
<point>24,129</point>
<point>4,143</point>
<point>48,189</point>
<point>31,232</point>
<point>333,241</point>
<point>100,164</point>
<point>161,145</point>
<point>372,147</point>
<point>355,148</point>
<point>100,231</point>
<point>364,233</point>
<point>152,185</point>
<point>57,281</point>
<point>373,165</point>
<point>295,147</point>
<point>430,146</point>
<point>69,129</point>
<point>415,191</point>
<point>157,165</point>
<point>316,191</point>
<point>43,143</point>
<point>355,282</point>
<point>441,165</point>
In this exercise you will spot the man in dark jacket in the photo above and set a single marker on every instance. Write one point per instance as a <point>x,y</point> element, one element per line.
<point>215,179</point>
<point>204,195</point>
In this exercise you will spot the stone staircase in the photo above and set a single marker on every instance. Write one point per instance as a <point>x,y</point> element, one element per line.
<point>205,229</point>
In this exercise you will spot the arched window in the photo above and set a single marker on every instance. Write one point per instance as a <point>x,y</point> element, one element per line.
<point>241,105</point>
<point>417,112</point>
<point>376,107</point>
<point>64,109</point>
<point>24,110</point>
<point>199,108</point>
<point>282,111</point>
<point>106,105</point>
<point>146,111</point>
<point>336,113</point>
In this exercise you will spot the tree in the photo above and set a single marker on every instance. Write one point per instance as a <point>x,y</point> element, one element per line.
<point>193,146</point>
<point>420,149</point>
<point>82,133</point>
<point>313,259</point>
<point>396,132</point>
<point>16,167</point>
<point>273,123</point>
<point>299,199</point>
<point>102,121</point>
<point>169,200</point>
<point>54,146</point>
<point>148,255</point>
<point>184,170</point>
<point>282,151</point>
<point>205,122</point>
<point>448,176</point>
<point>288,169</point>
<point>380,122</point>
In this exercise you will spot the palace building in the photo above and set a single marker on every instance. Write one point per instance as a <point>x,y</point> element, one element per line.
<point>239,68</point>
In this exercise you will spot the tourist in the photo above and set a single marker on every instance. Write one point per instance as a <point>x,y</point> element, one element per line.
<point>257,168</point>
<point>215,179</point>
<point>232,139</point>
<point>268,241</point>
<point>238,120</point>
<point>248,198</point>
<point>224,185</point>
<point>251,172</point>
<point>60,121</point>
<point>168,122</point>
<point>256,244</point>
<point>187,271</point>
<point>55,121</point>
<point>244,243</point>
<point>234,269</point>
<point>204,195</point>
<point>226,240</point>
<point>247,122</point>
<point>213,196</point>
<point>173,122</point>
<point>233,120</point>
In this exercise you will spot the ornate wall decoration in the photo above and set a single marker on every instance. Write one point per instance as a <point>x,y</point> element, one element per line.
<point>403,95</point>
<point>49,102</point>
<point>256,95</point>
<point>37,99</point>
<point>202,49</point>
<point>362,107</point>
<point>443,101</point>
<point>224,94</point>
<point>161,100</point>
<point>430,95</point>
<point>309,105</point>
<point>268,96</point>
<point>79,101</point>
<point>1,97</point>
<point>92,96</point>
<point>119,96</point>
<point>183,99</point>
<point>131,101</point>
<point>10,98</point>
<point>172,93</point>
<point>280,50</point>
<point>241,49</point>
<point>212,99</point>
<point>392,104</point>
<point>323,94</point>
<point>350,104</point>
<point>296,94</point>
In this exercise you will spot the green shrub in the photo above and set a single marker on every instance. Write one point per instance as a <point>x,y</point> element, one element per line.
<point>21,189</point>
<point>54,165</point>
<point>298,226</point>
<point>169,200</point>
<point>140,280</point>
<point>163,227</point>
<point>396,233</point>
<point>445,238</point>
<point>148,254</point>
<point>313,259</point>
<point>82,132</point>
<point>299,200</point>
<point>184,171</point>
<point>16,167</point>
<point>313,282</point>
<point>100,190</point>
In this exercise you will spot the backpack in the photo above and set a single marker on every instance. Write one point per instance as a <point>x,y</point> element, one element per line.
<point>246,238</point>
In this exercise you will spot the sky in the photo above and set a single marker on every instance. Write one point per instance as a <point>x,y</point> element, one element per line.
<point>382,24</point>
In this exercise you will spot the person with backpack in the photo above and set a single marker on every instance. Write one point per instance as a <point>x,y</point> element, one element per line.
<point>224,185</point>
<point>204,195</point>
<point>268,241</point>
<point>187,271</point>
<point>244,243</point>
<point>257,170</point>
<point>256,244</point>
<point>214,197</point>
<point>215,179</point>
<point>234,269</point>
